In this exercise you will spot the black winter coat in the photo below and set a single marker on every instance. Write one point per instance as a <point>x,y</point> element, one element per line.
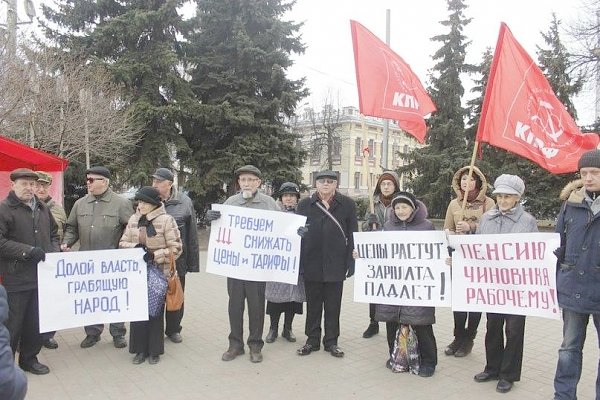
<point>13,383</point>
<point>325,255</point>
<point>410,315</point>
<point>180,207</point>
<point>22,229</point>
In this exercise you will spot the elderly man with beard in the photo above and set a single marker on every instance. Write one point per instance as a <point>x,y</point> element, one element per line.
<point>27,233</point>
<point>240,291</point>
<point>326,260</point>
<point>180,207</point>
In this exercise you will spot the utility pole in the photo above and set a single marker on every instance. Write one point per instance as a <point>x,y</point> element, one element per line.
<point>597,54</point>
<point>11,25</point>
<point>386,122</point>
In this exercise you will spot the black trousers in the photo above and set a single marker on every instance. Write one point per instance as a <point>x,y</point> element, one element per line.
<point>466,324</point>
<point>323,298</point>
<point>426,338</point>
<point>115,329</point>
<point>239,292</point>
<point>23,325</point>
<point>147,336</point>
<point>173,318</point>
<point>372,308</point>
<point>504,360</point>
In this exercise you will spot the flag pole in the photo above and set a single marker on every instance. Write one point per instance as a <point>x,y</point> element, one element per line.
<point>471,165</point>
<point>369,182</point>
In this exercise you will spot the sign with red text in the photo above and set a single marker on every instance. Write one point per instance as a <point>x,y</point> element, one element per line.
<point>255,245</point>
<point>507,273</point>
<point>79,288</point>
<point>402,268</point>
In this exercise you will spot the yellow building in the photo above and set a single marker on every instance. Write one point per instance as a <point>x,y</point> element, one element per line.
<point>349,132</point>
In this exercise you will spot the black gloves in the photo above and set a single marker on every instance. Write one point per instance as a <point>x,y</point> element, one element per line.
<point>302,231</point>
<point>559,252</point>
<point>212,215</point>
<point>148,256</point>
<point>36,255</point>
<point>350,271</point>
<point>372,219</point>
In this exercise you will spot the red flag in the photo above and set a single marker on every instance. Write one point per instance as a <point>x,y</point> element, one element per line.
<point>521,113</point>
<point>387,87</point>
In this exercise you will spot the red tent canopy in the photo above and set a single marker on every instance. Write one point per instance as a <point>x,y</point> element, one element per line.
<point>17,155</point>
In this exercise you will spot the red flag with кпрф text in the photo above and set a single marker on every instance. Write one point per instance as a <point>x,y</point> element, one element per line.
<point>522,114</point>
<point>387,87</point>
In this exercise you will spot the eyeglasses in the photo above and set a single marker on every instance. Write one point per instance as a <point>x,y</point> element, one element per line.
<point>247,180</point>
<point>92,180</point>
<point>324,181</point>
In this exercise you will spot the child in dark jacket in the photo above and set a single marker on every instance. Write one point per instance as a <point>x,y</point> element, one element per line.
<point>409,214</point>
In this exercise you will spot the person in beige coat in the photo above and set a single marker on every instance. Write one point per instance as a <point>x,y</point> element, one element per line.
<point>156,231</point>
<point>464,223</point>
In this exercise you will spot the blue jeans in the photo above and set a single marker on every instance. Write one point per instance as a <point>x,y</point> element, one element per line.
<point>570,355</point>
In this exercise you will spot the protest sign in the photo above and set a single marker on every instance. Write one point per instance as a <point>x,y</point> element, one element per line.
<point>92,287</point>
<point>507,273</point>
<point>402,268</point>
<point>255,245</point>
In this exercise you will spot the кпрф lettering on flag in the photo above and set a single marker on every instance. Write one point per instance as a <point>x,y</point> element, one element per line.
<point>522,114</point>
<point>387,87</point>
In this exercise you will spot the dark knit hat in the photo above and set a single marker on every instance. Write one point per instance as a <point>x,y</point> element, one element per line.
<point>23,173</point>
<point>148,194</point>
<point>290,188</point>
<point>589,159</point>
<point>406,198</point>
<point>328,174</point>
<point>248,169</point>
<point>99,170</point>
<point>163,174</point>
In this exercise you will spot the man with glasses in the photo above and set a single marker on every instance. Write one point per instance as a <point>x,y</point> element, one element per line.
<point>240,291</point>
<point>180,207</point>
<point>42,191</point>
<point>97,220</point>
<point>326,260</point>
<point>27,233</point>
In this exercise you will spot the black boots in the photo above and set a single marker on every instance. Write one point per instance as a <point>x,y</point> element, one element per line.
<point>272,335</point>
<point>453,347</point>
<point>372,330</point>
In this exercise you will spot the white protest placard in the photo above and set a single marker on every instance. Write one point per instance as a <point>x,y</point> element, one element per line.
<point>507,273</point>
<point>255,245</point>
<point>402,268</point>
<point>92,287</point>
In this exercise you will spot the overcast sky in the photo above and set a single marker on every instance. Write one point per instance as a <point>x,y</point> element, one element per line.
<point>328,62</point>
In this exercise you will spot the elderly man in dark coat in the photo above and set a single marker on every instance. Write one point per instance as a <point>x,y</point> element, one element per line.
<point>27,233</point>
<point>326,260</point>
<point>180,207</point>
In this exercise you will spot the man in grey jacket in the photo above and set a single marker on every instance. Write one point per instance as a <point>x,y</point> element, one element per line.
<point>97,221</point>
<point>240,291</point>
<point>180,207</point>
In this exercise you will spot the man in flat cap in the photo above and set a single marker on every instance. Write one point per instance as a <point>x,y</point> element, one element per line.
<point>326,260</point>
<point>180,207</point>
<point>27,233</point>
<point>42,191</point>
<point>240,291</point>
<point>578,276</point>
<point>97,221</point>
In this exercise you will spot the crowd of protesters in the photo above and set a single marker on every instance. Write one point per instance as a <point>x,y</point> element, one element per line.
<point>163,224</point>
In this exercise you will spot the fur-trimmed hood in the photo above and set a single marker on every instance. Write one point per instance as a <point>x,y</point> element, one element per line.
<point>456,183</point>
<point>573,191</point>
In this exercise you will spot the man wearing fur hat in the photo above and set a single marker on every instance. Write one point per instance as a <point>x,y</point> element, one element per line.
<point>239,290</point>
<point>326,260</point>
<point>27,233</point>
<point>42,191</point>
<point>578,276</point>
<point>97,221</point>
<point>387,185</point>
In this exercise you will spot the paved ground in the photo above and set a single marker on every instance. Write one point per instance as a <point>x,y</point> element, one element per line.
<point>194,370</point>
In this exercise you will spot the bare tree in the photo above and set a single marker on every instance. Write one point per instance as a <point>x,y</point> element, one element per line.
<point>585,32</point>
<point>56,103</point>
<point>326,138</point>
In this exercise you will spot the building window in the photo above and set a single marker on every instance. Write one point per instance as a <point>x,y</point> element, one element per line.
<point>357,180</point>
<point>371,148</point>
<point>357,147</point>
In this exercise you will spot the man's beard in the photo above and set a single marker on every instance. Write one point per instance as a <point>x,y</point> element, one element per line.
<point>247,194</point>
